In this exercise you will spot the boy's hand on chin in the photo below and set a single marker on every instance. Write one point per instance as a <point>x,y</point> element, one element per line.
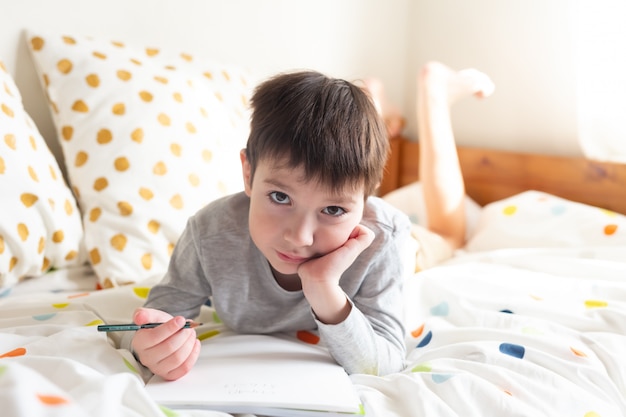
<point>328,269</point>
<point>320,277</point>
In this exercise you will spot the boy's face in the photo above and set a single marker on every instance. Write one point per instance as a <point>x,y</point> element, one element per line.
<point>292,220</point>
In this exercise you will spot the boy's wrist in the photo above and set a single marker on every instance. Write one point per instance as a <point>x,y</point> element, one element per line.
<point>329,307</point>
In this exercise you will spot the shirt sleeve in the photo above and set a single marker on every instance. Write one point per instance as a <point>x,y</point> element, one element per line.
<point>371,339</point>
<point>358,349</point>
<point>184,288</point>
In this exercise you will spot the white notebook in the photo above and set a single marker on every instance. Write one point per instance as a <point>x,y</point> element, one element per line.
<point>261,374</point>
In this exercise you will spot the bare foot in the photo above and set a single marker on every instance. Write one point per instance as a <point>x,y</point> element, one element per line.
<point>437,78</point>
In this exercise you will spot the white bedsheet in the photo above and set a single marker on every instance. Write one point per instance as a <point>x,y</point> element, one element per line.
<point>504,333</point>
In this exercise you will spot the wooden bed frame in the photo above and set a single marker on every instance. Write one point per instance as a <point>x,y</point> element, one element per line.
<point>492,175</point>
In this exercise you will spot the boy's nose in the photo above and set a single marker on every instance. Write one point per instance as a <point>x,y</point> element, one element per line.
<point>299,231</point>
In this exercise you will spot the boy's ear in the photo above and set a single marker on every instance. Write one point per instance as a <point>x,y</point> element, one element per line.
<point>246,171</point>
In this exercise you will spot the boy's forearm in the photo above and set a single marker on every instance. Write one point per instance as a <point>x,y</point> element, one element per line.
<point>359,349</point>
<point>329,303</point>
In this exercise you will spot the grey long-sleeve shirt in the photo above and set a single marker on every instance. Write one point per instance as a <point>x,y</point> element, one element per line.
<point>215,257</point>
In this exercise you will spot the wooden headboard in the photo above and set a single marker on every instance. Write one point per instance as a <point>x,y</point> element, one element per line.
<point>492,175</point>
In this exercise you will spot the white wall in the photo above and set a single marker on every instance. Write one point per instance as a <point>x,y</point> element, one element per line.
<point>527,47</point>
<point>344,38</point>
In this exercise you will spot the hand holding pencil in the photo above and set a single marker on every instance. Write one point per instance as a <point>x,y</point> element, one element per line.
<point>169,348</point>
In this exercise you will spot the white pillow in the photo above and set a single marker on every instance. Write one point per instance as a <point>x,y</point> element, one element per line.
<point>534,219</point>
<point>149,137</point>
<point>410,200</point>
<point>40,225</point>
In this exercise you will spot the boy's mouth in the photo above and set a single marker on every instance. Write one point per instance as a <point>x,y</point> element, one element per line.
<point>294,259</point>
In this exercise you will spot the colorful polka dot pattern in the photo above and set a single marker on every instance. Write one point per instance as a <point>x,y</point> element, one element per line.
<point>424,338</point>
<point>308,337</point>
<point>149,137</point>
<point>40,226</point>
<point>535,219</point>
<point>560,208</point>
<point>45,399</point>
<point>140,293</point>
<point>39,354</point>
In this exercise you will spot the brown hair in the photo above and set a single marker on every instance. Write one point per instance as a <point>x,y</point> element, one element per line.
<point>328,126</point>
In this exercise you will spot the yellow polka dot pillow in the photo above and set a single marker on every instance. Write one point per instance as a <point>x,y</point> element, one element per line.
<point>40,226</point>
<point>534,219</point>
<point>149,137</point>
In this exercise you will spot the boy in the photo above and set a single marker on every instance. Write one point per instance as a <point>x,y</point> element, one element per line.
<point>304,247</point>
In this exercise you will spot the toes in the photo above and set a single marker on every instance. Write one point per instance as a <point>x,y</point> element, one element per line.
<point>478,82</point>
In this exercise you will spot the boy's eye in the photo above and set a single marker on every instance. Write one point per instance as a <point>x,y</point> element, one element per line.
<point>279,198</point>
<point>334,211</point>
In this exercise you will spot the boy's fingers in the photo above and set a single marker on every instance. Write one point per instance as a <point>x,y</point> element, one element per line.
<point>336,262</point>
<point>360,238</point>
<point>174,356</point>
<point>187,357</point>
<point>163,332</point>
<point>149,315</point>
<point>365,236</point>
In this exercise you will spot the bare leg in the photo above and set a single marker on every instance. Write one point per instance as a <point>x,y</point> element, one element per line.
<point>440,173</point>
<point>394,121</point>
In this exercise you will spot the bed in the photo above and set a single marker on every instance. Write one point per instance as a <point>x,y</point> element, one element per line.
<point>529,319</point>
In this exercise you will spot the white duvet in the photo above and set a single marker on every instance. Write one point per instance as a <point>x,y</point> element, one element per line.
<point>513,332</point>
